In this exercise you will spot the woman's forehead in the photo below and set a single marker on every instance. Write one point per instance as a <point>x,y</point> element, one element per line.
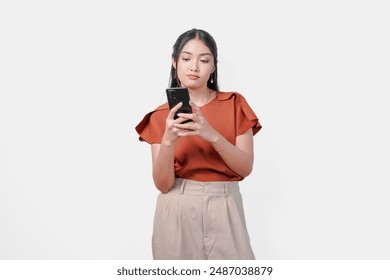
<point>196,46</point>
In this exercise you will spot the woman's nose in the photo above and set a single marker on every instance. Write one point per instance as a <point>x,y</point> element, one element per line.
<point>194,67</point>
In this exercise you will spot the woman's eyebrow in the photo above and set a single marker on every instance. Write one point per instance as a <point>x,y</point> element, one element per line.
<point>201,54</point>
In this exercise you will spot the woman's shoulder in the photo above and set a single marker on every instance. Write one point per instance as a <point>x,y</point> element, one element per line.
<point>227,95</point>
<point>162,107</point>
<point>246,117</point>
<point>156,116</point>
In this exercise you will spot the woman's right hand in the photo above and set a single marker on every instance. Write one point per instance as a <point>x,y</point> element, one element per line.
<point>171,132</point>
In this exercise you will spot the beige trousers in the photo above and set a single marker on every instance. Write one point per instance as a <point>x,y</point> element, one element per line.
<point>201,220</point>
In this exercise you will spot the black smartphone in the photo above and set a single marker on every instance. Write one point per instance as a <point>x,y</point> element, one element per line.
<point>176,95</point>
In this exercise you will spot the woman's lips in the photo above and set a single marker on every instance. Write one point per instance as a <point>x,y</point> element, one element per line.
<point>192,77</point>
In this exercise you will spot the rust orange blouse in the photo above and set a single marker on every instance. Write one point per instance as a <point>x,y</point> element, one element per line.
<point>196,159</point>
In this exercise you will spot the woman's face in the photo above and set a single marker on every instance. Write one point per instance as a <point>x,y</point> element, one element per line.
<point>194,65</point>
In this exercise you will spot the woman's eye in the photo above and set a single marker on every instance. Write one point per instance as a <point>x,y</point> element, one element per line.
<point>204,61</point>
<point>185,58</point>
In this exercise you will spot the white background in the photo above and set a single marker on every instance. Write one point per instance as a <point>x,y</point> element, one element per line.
<point>77,76</point>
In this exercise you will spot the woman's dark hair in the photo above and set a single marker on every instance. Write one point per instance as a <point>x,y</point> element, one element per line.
<point>209,41</point>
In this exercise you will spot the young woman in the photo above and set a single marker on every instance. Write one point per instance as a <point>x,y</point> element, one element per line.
<point>197,165</point>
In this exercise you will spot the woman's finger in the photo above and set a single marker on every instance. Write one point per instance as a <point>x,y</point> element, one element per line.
<point>186,116</point>
<point>186,126</point>
<point>173,111</point>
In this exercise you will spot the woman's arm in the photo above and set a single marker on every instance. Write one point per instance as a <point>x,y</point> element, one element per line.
<point>238,157</point>
<point>163,154</point>
<point>163,166</point>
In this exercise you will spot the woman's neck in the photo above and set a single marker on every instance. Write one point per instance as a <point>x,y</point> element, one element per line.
<point>202,97</point>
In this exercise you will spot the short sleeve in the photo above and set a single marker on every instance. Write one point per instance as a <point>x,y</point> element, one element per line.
<point>151,128</point>
<point>245,117</point>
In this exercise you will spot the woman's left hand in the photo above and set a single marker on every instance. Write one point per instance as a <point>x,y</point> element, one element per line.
<point>198,126</point>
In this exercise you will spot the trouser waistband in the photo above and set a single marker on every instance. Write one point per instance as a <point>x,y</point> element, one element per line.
<point>185,185</point>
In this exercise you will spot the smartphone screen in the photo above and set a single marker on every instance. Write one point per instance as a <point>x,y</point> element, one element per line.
<point>177,95</point>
